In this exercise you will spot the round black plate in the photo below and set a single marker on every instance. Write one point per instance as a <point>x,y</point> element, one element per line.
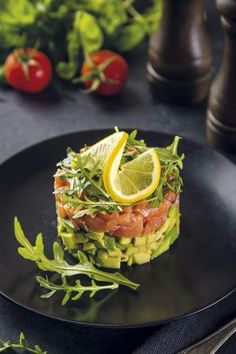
<point>196,272</point>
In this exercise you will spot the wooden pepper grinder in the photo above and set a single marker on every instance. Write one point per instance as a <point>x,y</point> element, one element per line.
<point>221,113</point>
<point>179,57</point>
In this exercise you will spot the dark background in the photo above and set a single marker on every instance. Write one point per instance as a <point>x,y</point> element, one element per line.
<point>25,120</point>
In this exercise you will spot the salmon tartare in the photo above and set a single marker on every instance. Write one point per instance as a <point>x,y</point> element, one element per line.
<point>135,223</point>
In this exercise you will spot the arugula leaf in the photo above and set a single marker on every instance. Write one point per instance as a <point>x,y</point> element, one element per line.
<point>77,288</point>
<point>5,345</point>
<point>59,265</point>
<point>82,181</point>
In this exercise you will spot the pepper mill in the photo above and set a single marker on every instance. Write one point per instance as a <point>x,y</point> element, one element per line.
<point>221,113</point>
<point>179,56</point>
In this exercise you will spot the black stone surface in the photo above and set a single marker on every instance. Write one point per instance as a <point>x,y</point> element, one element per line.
<point>25,120</point>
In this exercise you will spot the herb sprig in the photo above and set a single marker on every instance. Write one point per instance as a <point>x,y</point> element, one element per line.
<point>5,345</point>
<point>69,290</point>
<point>60,266</point>
<point>86,191</point>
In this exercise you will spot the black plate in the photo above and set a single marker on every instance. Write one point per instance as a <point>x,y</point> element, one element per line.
<point>198,270</point>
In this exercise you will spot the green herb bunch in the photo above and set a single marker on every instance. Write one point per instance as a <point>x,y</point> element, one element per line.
<point>67,30</point>
<point>85,191</point>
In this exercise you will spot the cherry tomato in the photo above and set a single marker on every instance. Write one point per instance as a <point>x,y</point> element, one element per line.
<point>28,70</point>
<point>106,72</point>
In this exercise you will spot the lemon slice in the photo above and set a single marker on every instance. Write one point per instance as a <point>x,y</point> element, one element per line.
<point>103,149</point>
<point>136,180</point>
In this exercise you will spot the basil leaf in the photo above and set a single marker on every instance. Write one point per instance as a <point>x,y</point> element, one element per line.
<point>130,36</point>
<point>89,31</point>
<point>20,12</point>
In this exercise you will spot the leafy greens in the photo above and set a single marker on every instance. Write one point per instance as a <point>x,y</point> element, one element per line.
<point>86,193</point>
<point>68,30</point>
<point>60,266</point>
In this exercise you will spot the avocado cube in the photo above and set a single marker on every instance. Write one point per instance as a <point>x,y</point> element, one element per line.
<point>142,257</point>
<point>102,255</point>
<point>129,251</point>
<point>124,257</point>
<point>109,262</point>
<point>151,238</point>
<point>92,251</point>
<point>89,246</point>
<point>100,243</point>
<point>163,228</point>
<point>130,261</point>
<point>115,253</point>
<point>164,246</point>
<point>97,236</point>
<point>125,241</point>
<point>140,241</point>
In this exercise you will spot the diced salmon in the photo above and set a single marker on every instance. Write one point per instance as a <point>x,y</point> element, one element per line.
<point>133,221</point>
<point>59,182</point>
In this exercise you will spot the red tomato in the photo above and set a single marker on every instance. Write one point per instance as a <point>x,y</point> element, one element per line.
<point>111,79</point>
<point>28,70</point>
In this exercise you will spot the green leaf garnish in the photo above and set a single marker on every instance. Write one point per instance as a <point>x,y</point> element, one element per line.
<point>73,292</point>
<point>59,265</point>
<point>5,345</point>
<point>81,180</point>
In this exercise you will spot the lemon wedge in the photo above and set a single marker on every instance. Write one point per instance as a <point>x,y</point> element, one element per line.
<point>103,149</point>
<point>135,180</point>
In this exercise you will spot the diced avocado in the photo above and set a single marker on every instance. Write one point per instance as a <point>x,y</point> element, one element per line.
<point>124,257</point>
<point>125,240</point>
<point>178,221</point>
<point>100,243</point>
<point>140,249</point>
<point>173,234</point>
<point>130,261</point>
<point>97,236</point>
<point>115,253</point>
<point>129,251</point>
<point>69,242</point>
<point>153,246</point>
<point>151,238</point>
<point>108,251</point>
<point>164,246</point>
<point>142,257</point>
<point>80,237</point>
<point>108,262</point>
<point>92,251</point>
<point>140,241</point>
<point>66,234</point>
<point>110,243</point>
<point>89,246</point>
<point>172,217</point>
<point>164,227</point>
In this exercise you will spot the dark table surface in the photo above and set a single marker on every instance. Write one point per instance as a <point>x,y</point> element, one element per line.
<point>25,120</point>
